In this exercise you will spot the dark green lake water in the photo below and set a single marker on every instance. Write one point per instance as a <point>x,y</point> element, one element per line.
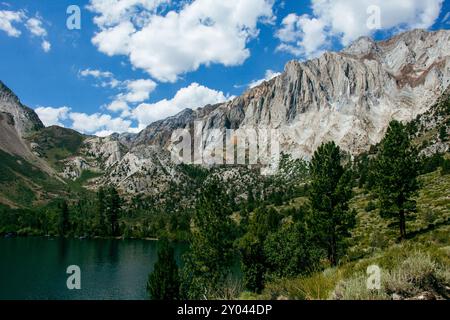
<point>35,268</point>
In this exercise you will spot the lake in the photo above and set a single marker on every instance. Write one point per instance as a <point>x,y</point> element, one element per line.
<point>35,268</point>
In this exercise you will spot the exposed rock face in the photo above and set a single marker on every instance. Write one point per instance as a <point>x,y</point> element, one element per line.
<point>16,122</point>
<point>25,119</point>
<point>349,96</point>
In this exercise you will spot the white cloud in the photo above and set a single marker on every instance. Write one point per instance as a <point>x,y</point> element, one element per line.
<point>269,75</point>
<point>46,46</point>
<point>95,73</point>
<point>106,78</point>
<point>193,96</point>
<point>346,20</point>
<point>7,18</point>
<point>139,90</point>
<point>113,12</point>
<point>302,35</point>
<point>98,123</point>
<point>117,106</point>
<point>52,116</point>
<point>200,33</point>
<point>33,25</point>
<point>115,40</point>
<point>133,91</point>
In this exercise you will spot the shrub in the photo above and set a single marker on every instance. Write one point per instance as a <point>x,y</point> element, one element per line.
<point>315,287</point>
<point>445,167</point>
<point>370,206</point>
<point>410,276</point>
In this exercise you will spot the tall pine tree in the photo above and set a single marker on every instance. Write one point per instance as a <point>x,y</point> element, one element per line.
<point>331,189</point>
<point>113,210</point>
<point>101,212</point>
<point>164,282</point>
<point>396,169</point>
<point>208,263</point>
<point>64,223</point>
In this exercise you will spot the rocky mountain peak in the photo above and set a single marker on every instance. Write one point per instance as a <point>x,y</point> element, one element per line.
<point>25,119</point>
<point>348,96</point>
<point>362,46</point>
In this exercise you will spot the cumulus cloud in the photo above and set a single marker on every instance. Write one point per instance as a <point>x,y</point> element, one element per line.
<point>93,123</point>
<point>139,90</point>
<point>131,91</point>
<point>53,116</point>
<point>101,124</point>
<point>167,45</point>
<point>105,78</point>
<point>46,46</point>
<point>346,20</point>
<point>8,18</point>
<point>34,25</point>
<point>269,75</point>
<point>193,97</point>
<point>9,21</point>
<point>135,91</point>
<point>302,35</point>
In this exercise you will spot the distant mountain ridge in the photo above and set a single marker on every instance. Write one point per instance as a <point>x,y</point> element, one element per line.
<point>348,96</point>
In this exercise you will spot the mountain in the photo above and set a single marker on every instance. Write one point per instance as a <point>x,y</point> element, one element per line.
<point>25,178</point>
<point>348,96</point>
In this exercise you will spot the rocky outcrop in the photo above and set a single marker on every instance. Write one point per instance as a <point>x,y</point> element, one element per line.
<point>25,119</point>
<point>349,96</point>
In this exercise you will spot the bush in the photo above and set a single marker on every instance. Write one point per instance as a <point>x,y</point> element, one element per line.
<point>445,167</point>
<point>370,206</point>
<point>418,273</point>
<point>164,282</point>
<point>315,287</point>
<point>289,252</point>
<point>432,163</point>
<point>409,277</point>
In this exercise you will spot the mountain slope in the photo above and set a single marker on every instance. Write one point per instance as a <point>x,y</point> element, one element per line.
<point>348,96</point>
<point>25,177</point>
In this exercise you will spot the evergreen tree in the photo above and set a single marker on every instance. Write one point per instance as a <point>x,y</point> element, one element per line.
<point>289,251</point>
<point>113,209</point>
<point>443,135</point>
<point>211,254</point>
<point>64,223</point>
<point>251,247</point>
<point>164,282</point>
<point>330,192</point>
<point>396,169</point>
<point>101,212</point>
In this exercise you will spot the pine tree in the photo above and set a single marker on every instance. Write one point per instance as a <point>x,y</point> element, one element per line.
<point>113,209</point>
<point>209,261</point>
<point>443,135</point>
<point>101,212</point>
<point>64,223</point>
<point>251,247</point>
<point>164,282</point>
<point>330,192</point>
<point>396,169</point>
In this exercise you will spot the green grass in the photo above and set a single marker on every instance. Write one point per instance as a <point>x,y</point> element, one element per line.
<point>79,184</point>
<point>57,143</point>
<point>22,184</point>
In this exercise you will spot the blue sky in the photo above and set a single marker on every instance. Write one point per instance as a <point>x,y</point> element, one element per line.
<point>136,61</point>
